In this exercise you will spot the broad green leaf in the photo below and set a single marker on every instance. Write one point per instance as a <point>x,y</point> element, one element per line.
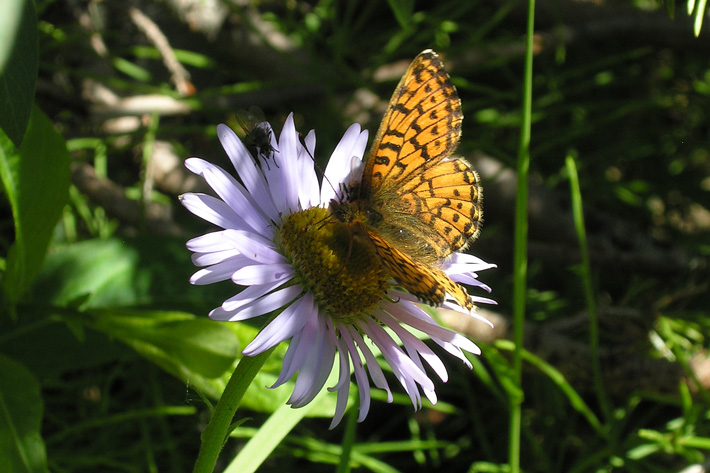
<point>105,270</point>
<point>178,342</point>
<point>19,52</point>
<point>47,346</point>
<point>21,446</point>
<point>36,182</point>
<point>112,273</point>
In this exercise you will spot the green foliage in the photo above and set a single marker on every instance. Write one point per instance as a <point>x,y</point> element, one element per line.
<point>18,66</point>
<point>36,180</point>
<point>21,445</point>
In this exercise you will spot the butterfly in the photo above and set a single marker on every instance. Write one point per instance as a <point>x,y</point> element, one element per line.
<point>256,134</point>
<point>415,203</point>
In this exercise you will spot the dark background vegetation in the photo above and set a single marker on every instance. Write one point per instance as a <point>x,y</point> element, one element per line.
<point>621,87</point>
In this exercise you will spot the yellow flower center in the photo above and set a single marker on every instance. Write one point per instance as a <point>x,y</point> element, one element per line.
<point>333,263</point>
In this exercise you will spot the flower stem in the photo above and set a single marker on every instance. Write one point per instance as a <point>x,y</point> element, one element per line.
<point>215,434</point>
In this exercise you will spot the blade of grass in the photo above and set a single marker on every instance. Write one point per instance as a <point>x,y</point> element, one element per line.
<point>521,249</point>
<point>348,442</point>
<point>269,436</point>
<point>699,15</point>
<point>558,378</point>
<point>586,274</point>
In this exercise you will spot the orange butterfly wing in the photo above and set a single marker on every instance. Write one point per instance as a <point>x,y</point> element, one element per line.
<point>429,284</point>
<point>416,204</point>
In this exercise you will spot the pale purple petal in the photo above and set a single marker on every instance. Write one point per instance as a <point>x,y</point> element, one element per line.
<point>338,168</point>
<point>247,169</point>
<point>213,210</point>
<point>209,242</point>
<point>376,374</point>
<point>234,195</point>
<point>283,327</point>
<point>309,193</point>
<point>217,272</point>
<point>316,368</point>
<point>415,347</point>
<point>422,322</point>
<point>262,274</point>
<point>298,349</point>
<point>249,294</point>
<point>197,165</point>
<point>343,385</point>
<point>207,259</point>
<point>261,306</point>
<point>452,305</point>
<point>360,375</point>
<point>401,364</point>
<point>254,247</point>
<point>281,183</point>
<point>474,263</point>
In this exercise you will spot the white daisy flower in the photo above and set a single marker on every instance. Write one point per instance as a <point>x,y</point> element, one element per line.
<point>329,291</point>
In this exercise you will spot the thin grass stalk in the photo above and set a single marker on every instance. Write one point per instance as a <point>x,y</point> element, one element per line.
<point>521,249</point>
<point>586,275</point>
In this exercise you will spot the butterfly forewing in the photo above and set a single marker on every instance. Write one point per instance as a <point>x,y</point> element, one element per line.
<point>421,127</point>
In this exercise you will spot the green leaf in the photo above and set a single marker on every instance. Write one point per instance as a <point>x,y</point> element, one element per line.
<point>36,181</point>
<point>21,446</point>
<point>111,272</point>
<point>699,15</point>
<point>402,10</point>
<point>19,52</point>
<point>178,342</point>
<point>104,269</point>
<point>48,348</point>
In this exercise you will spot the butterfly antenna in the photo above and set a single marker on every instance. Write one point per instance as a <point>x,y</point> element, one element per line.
<point>302,139</point>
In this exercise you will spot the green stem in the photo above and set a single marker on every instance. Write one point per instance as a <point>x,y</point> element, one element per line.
<point>348,442</point>
<point>521,248</point>
<point>216,433</point>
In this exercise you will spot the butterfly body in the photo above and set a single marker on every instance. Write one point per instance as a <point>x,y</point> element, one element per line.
<point>415,203</point>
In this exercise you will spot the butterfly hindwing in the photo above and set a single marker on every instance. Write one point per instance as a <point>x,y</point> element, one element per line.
<point>428,284</point>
